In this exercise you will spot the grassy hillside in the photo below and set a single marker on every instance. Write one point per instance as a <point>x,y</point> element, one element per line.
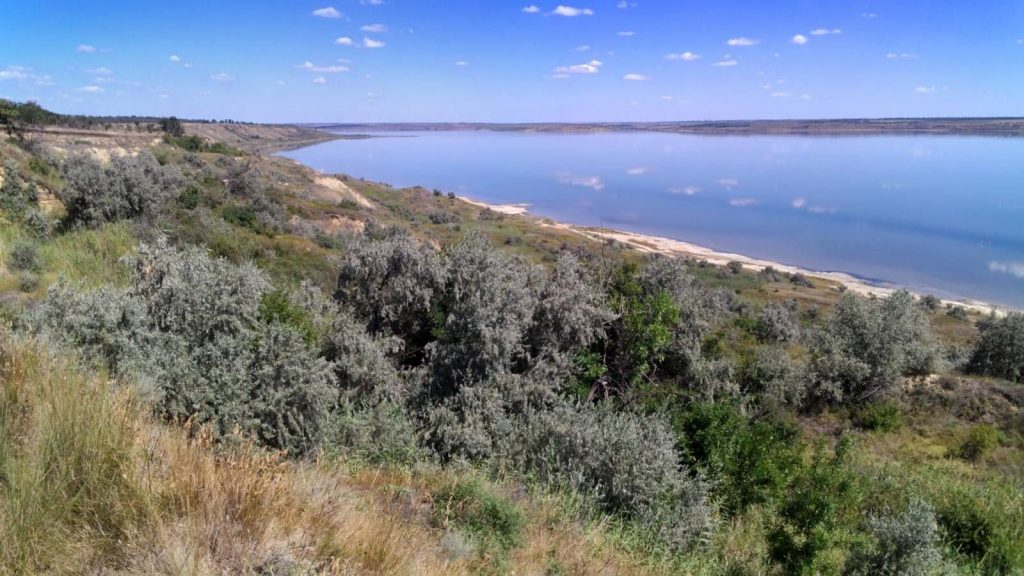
<point>216,361</point>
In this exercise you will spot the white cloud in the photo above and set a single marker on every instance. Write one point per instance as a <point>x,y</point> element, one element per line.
<point>319,80</point>
<point>333,69</point>
<point>222,77</point>
<point>571,12</point>
<point>780,94</point>
<point>685,56</point>
<point>85,48</point>
<point>742,202</point>
<point>799,203</point>
<point>901,56</point>
<point>627,33</point>
<point>726,62</point>
<point>743,41</point>
<point>90,89</point>
<point>531,9</point>
<point>638,171</point>
<point>462,63</point>
<point>372,2</point>
<point>925,89</point>
<point>591,67</point>
<point>328,12</point>
<point>344,41</point>
<point>869,15</point>
<point>799,40</point>
<point>729,182</point>
<point>371,43</point>
<point>622,5</point>
<point>825,31</point>
<point>592,182</point>
<point>805,96</point>
<point>375,28</point>
<point>175,58</point>
<point>22,74</point>
<point>101,71</point>
<point>635,77</point>
<point>822,210</point>
<point>1015,269</point>
<point>583,48</point>
<point>685,190</point>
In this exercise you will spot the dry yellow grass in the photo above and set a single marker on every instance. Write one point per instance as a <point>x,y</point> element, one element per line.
<point>89,483</point>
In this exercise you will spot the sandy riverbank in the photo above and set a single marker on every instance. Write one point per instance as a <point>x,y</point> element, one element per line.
<point>671,247</point>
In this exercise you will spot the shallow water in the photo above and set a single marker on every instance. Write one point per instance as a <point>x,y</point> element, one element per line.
<point>938,214</point>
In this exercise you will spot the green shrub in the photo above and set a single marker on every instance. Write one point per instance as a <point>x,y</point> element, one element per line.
<point>470,506</point>
<point>979,441</point>
<point>28,282</point>
<point>126,187</point>
<point>748,462</point>
<point>879,416</point>
<point>903,544</point>
<point>37,224</point>
<point>24,257</point>
<point>189,198</point>
<point>16,196</point>
<point>778,322</point>
<point>276,307</point>
<point>970,528</point>
<point>1000,350</point>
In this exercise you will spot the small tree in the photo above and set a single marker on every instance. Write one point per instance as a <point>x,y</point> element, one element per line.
<point>1000,350</point>
<point>172,127</point>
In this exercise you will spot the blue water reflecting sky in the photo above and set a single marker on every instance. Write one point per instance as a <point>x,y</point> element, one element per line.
<point>939,214</point>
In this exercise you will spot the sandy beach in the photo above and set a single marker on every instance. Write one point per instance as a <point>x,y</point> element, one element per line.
<point>671,247</point>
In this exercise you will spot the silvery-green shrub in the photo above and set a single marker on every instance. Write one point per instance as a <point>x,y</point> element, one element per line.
<point>1000,350</point>
<point>867,345</point>
<point>904,543</point>
<point>126,187</point>
<point>778,322</point>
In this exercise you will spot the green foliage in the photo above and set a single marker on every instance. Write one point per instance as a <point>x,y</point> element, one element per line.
<point>748,462</point>
<point>276,307</point>
<point>819,500</point>
<point>24,256</point>
<point>1000,351</point>
<point>867,345</point>
<point>28,282</point>
<point>171,126</point>
<point>773,378</point>
<point>879,416</point>
<point>468,505</point>
<point>978,442</point>
<point>778,322</point>
<point>646,326</point>
<point>189,197</point>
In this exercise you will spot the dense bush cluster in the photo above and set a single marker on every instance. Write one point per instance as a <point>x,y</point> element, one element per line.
<point>126,187</point>
<point>1000,351</point>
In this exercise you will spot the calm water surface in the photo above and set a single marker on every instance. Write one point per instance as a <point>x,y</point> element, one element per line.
<point>943,215</point>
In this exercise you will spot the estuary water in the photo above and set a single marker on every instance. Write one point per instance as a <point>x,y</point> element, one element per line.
<point>937,214</point>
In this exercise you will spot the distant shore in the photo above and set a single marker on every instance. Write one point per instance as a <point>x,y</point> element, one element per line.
<point>1006,127</point>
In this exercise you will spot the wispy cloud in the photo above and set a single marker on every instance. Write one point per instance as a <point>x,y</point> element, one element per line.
<point>371,43</point>
<point>1015,269</point>
<point>462,63</point>
<point>901,56</point>
<point>627,33</point>
<point>85,48</point>
<point>90,89</point>
<point>729,183</point>
<point>328,12</point>
<point>592,182</point>
<point>799,203</point>
<point>743,41</point>
<point>344,41</point>
<point>175,58</point>
<point>742,202</point>
<point>583,48</point>
<point>22,74</point>
<point>332,69</point>
<point>634,77</point>
<point>319,80</point>
<point>726,62</point>
<point>591,67</point>
<point>531,9</point>
<point>685,56</point>
<point>685,190</point>
<point>637,171</point>
<point>374,28</point>
<point>780,94</point>
<point>925,89</point>
<point>101,71</point>
<point>222,77</point>
<point>571,12</point>
<point>869,15</point>
<point>825,31</point>
<point>799,40</point>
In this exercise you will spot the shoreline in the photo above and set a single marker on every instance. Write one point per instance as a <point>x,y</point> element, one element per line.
<point>651,244</point>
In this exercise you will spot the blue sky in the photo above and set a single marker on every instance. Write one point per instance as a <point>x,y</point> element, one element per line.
<point>505,61</point>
